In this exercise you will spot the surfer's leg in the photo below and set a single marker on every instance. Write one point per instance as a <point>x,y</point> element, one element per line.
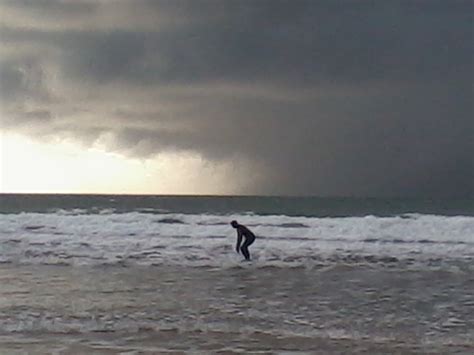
<point>245,251</point>
<point>245,247</point>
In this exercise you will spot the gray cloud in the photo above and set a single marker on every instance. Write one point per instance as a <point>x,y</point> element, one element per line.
<point>361,98</point>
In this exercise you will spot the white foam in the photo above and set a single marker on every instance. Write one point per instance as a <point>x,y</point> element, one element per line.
<point>143,238</point>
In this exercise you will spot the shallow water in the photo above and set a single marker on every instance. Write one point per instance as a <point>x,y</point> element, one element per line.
<point>135,275</point>
<point>241,309</point>
<point>207,240</point>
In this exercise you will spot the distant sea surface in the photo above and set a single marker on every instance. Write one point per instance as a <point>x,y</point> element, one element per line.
<point>159,274</point>
<point>225,205</point>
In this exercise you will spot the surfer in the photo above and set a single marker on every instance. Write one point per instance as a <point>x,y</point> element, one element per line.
<point>249,238</point>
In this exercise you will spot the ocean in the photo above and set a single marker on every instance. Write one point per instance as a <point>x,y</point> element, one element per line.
<point>117,274</point>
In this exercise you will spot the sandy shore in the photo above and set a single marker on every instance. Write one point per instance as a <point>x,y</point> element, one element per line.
<point>165,342</point>
<point>170,310</point>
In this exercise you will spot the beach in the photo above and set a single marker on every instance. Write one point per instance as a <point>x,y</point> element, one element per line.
<point>356,308</point>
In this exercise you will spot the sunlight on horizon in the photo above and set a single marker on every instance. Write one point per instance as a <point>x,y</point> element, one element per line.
<point>29,166</point>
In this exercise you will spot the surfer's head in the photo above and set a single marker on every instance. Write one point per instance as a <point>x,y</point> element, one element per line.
<point>234,224</point>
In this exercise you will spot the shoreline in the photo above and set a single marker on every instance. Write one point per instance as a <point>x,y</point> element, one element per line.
<point>179,342</point>
<point>183,310</point>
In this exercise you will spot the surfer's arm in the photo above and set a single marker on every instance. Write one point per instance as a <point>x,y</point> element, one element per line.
<point>239,240</point>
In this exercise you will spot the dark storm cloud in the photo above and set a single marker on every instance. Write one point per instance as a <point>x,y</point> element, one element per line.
<point>21,78</point>
<point>363,97</point>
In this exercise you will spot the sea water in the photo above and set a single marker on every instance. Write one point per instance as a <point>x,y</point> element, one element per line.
<point>159,274</point>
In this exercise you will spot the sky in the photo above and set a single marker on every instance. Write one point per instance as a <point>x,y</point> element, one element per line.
<point>321,98</point>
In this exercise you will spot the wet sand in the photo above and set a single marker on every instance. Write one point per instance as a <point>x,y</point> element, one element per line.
<point>342,309</point>
<point>176,342</point>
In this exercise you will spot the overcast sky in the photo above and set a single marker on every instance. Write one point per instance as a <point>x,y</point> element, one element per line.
<point>346,98</point>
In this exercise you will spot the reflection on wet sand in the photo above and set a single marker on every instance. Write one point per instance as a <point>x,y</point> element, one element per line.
<point>357,308</point>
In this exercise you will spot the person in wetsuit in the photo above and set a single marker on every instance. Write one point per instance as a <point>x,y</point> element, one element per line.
<point>247,234</point>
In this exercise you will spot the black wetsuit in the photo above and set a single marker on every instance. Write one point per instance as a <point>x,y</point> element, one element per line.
<point>249,239</point>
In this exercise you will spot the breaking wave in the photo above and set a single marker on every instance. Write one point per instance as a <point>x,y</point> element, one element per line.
<point>77,238</point>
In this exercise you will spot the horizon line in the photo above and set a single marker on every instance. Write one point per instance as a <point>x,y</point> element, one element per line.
<point>234,195</point>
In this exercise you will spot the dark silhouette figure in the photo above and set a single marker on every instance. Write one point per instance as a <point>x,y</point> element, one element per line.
<point>249,238</point>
